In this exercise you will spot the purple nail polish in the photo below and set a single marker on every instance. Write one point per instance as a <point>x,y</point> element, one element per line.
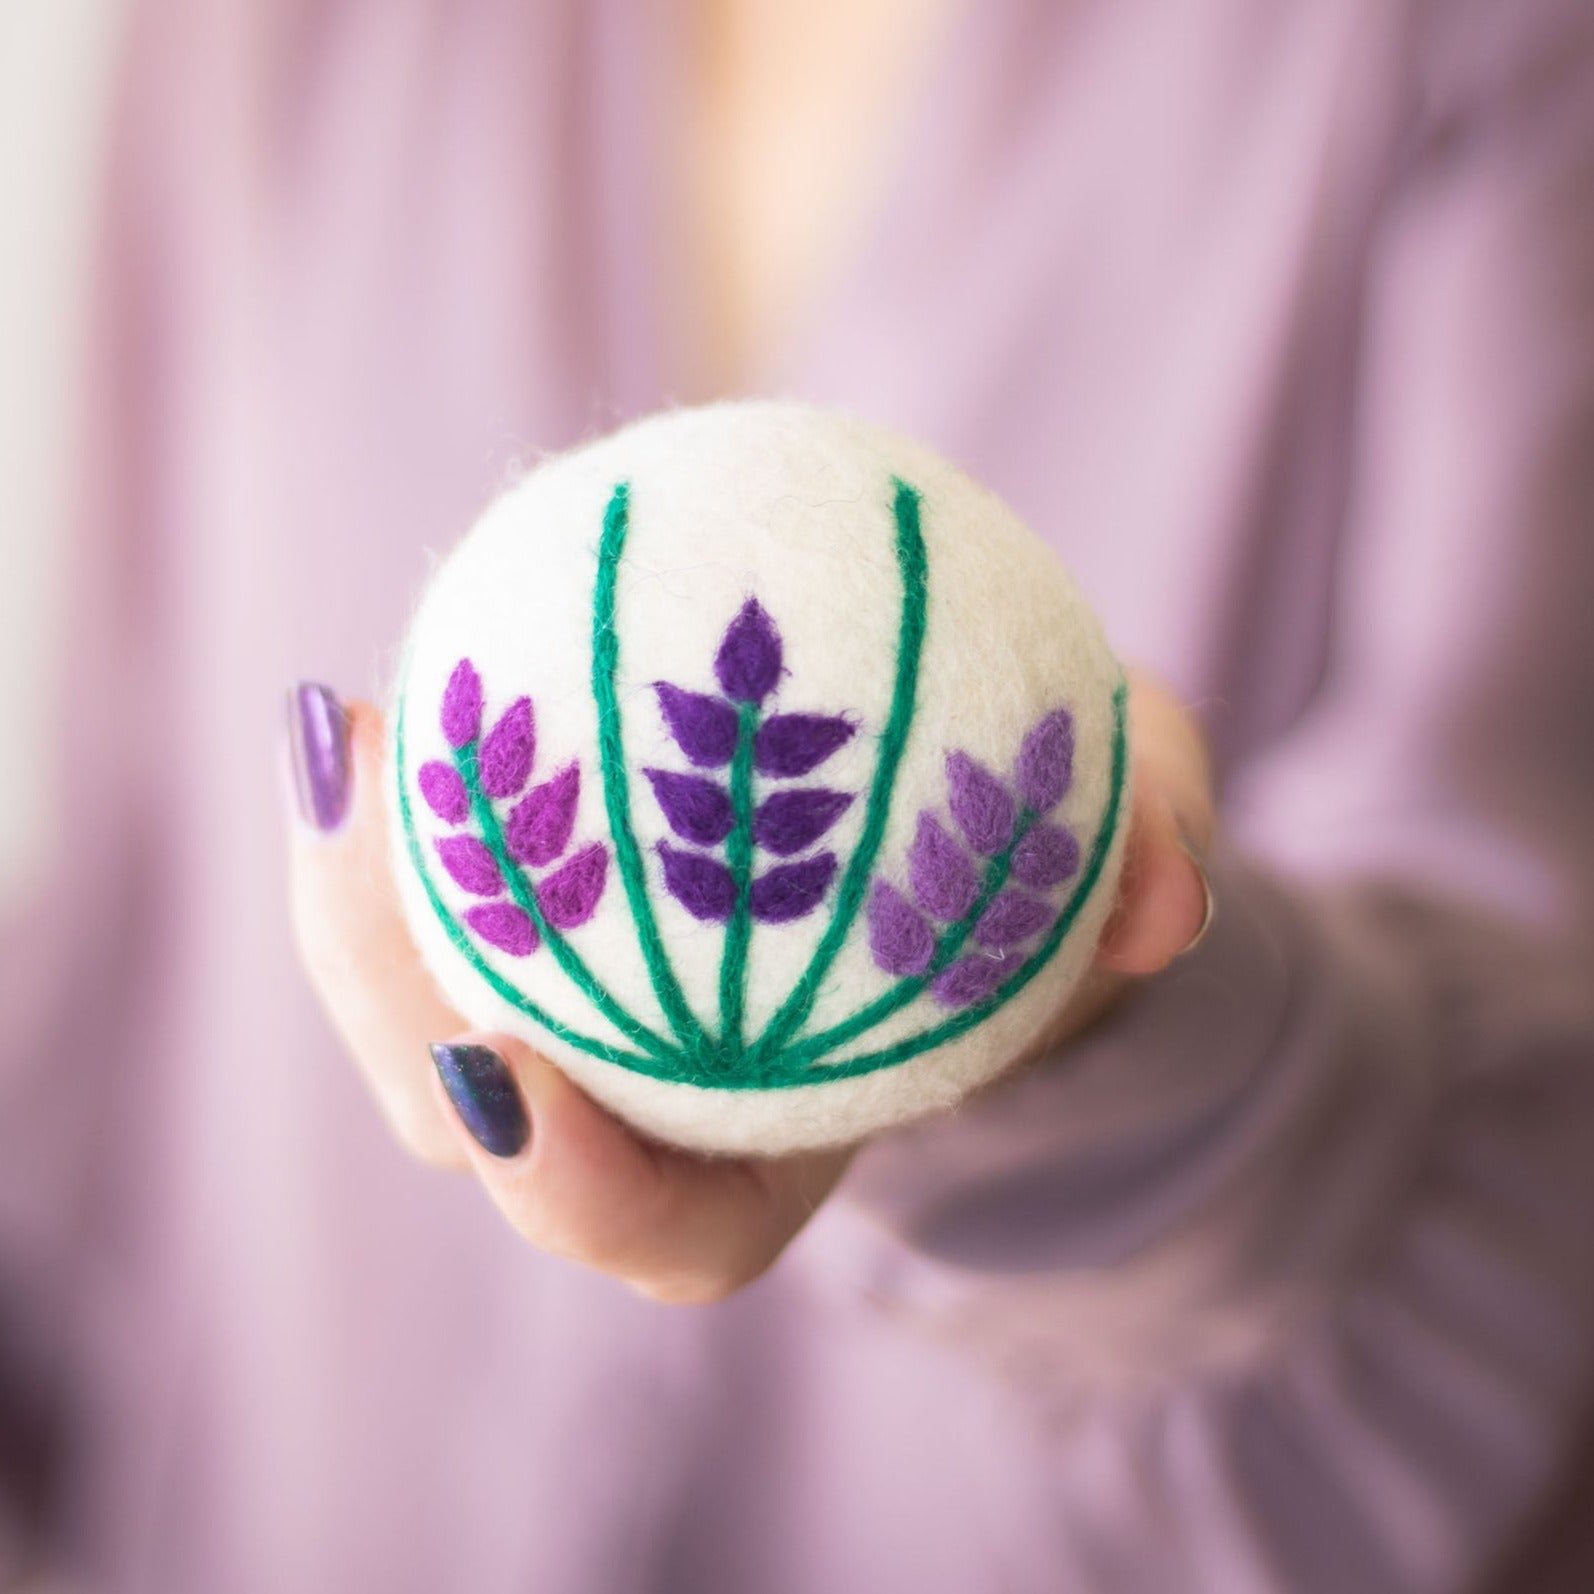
<point>484,1095</point>
<point>318,740</point>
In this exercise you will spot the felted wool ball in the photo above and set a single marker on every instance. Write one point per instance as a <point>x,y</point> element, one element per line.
<point>761,770</point>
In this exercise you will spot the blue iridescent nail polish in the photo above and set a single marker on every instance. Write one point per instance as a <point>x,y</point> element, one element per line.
<point>485,1096</point>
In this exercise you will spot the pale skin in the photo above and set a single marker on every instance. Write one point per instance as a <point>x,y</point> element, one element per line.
<point>789,101</point>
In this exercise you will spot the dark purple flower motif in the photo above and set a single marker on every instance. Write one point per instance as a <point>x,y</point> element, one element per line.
<point>444,791</point>
<point>462,705</point>
<point>788,745</point>
<point>704,727</point>
<point>970,979</point>
<point>1011,919</point>
<point>1046,761</point>
<point>540,824</point>
<point>507,751</point>
<point>702,885</point>
<point>980,803</point>
<point>747,665</point>
<point>940,872</point>
<point>697,809</point>
<point>791,821</point>
<point>901,940</point>
<point>569,896</point>
<point>471,865</point>
<point>790,890</point>
<point>503,925</point>
<point>1045,857</point>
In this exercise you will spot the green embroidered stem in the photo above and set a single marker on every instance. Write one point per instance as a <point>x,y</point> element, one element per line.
<point>525,898</point>
<point>940,1034</point>
<point>616,783</point>
<point>911,562</point>
<point>947,948</point>
<point>739,858</point>
<point>467,949</point>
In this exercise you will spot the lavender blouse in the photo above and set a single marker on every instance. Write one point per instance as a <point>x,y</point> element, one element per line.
<point>1278,322</point>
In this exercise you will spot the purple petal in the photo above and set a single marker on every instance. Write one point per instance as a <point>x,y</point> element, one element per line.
<point>1046,857</point>
<point>507,751</point>
<point>702,885</point>
<point>899,937</point>
<point>747,665</point>
<point>540,824</point>
<point>790,890</point>
<point>503,925</point>
<point>980,803</point>
<point>697,809</point>
<point>569,896</point>
<point>1012,919</point>
<point>471,865</point>
<point>969,980</point>
<point>792,820</point>
<point>1046,761</point>
<point>704,727</point>
<point>462,705</point>
<point>940,871</point>
<point>793,744</point>
<point>444,791</point>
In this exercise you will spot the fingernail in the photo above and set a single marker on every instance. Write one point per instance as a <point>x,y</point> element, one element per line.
<point>483,1092</point>
<point>318,743</point>
<point>1209,907</point>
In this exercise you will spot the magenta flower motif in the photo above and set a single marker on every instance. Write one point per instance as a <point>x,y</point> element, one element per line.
<point>481,857</point>
<point>541,823</point>
<point>709,813</point>
<point>505,756</point>
<point>462,705</point>
<point>965,929</point>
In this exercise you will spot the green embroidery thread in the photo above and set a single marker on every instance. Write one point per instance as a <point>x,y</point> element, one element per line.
<point>775,1060</point>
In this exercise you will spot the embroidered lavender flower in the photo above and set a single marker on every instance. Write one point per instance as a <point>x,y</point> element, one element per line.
<point>488,854</point>
<point>961,925</point>
<point>710,813</point>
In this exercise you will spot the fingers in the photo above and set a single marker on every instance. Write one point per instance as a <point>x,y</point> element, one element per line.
<point>349,925</point>
<point>1165,900</point>
<point>573,1180</point>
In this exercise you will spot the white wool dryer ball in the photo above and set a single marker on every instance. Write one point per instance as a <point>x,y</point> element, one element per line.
<point>761,770</point>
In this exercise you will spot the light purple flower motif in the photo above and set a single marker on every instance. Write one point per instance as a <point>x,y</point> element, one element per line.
<point>1046,856</point>
<point>940,872</point>
<point>1046,762</point>
<point>748,663</point>
<point>970,979</point>
<point>899,935</point>
<point>980,803</point>
<point>1011,919</point>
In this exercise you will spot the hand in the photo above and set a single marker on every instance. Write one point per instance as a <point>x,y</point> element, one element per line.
<point>568,1176</point>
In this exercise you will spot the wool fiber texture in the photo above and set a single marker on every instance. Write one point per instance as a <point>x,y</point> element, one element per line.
<point>761,770</point>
